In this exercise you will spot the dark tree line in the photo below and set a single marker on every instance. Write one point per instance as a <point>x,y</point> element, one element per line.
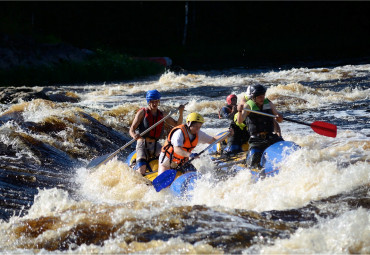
<point>215,31</point>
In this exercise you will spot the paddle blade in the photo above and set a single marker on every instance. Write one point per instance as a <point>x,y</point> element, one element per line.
<point>164,180</point>
<point>324,128</point>
<point>98,161</point>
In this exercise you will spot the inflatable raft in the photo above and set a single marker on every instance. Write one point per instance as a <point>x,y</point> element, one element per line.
<point>183,184</point>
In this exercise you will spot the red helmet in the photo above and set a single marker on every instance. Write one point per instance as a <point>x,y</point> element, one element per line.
<point>229,98</point>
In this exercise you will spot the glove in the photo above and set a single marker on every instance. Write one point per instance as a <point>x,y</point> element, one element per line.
<point>193,155</point>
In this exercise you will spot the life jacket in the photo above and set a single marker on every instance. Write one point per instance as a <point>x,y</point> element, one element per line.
<point>148,121</point>
<point>187,146</point>
<point>242,125</point>
<point>229,109</point>
<point>258,123</point>
<point>241,134</point>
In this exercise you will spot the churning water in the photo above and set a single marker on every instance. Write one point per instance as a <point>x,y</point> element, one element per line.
<point>319,202</point>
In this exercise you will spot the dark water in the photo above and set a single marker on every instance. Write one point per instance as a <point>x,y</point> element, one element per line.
<point>319,203</point>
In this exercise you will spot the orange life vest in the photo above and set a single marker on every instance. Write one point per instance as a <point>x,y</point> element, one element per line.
<point>187,146</point>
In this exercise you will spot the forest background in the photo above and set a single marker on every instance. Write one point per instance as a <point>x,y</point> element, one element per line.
<point>55,42</point>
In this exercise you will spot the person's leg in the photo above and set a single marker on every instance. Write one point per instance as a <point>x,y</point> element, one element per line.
<point>254,157</point>
<point>141,157</point>
<point>274,138</point>
<point>163,163</point>
<point>158,148</point>
<point>234,142</point>
<point>256,148</point>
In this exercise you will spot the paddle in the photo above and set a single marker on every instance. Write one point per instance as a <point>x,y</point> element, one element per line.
<point>223,164</point>
<point>167,177</point>
<point>320,127</point>
<point>103,159</point>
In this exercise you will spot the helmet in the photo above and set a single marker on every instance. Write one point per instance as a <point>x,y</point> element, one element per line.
<point>248,93</point>
<point>194,116</point>
<point>229,98</point>
<point>152,95</point>
<point>257,90</point>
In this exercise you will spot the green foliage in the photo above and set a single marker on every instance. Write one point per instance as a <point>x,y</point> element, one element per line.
<point>103,66</point>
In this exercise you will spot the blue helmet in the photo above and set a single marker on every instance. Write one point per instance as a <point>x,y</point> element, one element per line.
<point>152,95</point>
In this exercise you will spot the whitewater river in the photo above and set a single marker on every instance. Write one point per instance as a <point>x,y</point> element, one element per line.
<point>319,203</point>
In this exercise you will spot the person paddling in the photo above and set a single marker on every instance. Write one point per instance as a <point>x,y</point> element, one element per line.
<point>263,130</point>
<point>148,147</point>
<point>228,111</point>
<point>248,96</point>
<point>241,135</point>
<point>180,143</point>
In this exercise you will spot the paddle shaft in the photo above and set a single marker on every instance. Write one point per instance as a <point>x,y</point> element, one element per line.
<point>296,121</point>
<point>320,127</point>
<point>209,146</point>
<point>261,113</point>
<point>92,165</point>
<point>220,165</point>
<point>273,116</point>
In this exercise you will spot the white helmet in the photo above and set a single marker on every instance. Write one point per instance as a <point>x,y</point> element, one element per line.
<point>249,92</point>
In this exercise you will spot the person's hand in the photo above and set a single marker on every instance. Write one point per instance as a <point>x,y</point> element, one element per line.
<point>194,155</point>
<point>231,132</point>
<point>181,108</point>
<point>279,118</point>
<point>240,107</point>
<point>137,136</point>
<point>235,108</point>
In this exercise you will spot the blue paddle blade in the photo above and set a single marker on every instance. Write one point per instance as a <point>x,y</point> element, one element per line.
<point>164,180</point>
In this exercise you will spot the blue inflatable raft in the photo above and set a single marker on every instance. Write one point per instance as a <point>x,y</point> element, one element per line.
<point>271,160</point>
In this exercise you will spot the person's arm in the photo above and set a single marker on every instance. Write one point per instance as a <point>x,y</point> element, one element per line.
<point>244,100</point>
<point>205,138</point>
<point>276,113</point>
<point>277,120</point>
<point>179,121</point>
<point>215,138</point>
<point>277,129</point>
<point>226,114</point>
<point>232,113</point>
<point>177,140</point>
<point>137,120</point>
<point>242,114</point>
<point>178,150</point>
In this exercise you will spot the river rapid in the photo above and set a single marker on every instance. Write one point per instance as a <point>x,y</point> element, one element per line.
<point>319,202</point>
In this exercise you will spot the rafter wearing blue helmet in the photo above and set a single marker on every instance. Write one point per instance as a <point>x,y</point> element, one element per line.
<point>148,147</point>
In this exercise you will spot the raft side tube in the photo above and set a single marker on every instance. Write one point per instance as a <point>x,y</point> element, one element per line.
<point>184,184</point>
<point>275,154</point>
